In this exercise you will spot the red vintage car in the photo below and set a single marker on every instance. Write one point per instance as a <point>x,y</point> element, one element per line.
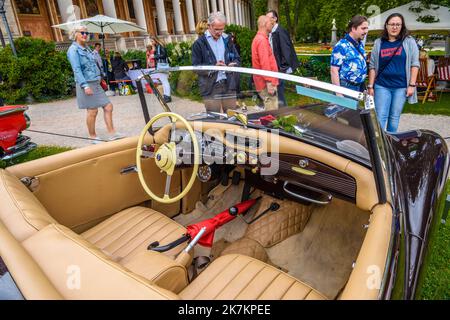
<point>13,120</point>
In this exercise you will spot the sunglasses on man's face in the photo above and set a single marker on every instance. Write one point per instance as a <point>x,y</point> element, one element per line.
<point>84,33</point>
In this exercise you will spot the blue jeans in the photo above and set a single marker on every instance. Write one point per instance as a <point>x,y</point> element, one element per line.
<point>389,104</point>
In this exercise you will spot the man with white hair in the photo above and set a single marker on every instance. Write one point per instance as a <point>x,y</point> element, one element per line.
<point>214,48</point>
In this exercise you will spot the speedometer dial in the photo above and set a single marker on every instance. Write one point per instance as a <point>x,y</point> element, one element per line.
<point>204,173</point>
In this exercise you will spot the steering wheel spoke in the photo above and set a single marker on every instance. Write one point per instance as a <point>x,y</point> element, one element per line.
<point>167,187</point>
<point>174,127</point>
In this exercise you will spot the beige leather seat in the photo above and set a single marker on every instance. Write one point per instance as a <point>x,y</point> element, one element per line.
<point>121,236</point>
<point>238,277</point>
<point>130,231</point>
<point>110,261</point>
<point>20,210</point>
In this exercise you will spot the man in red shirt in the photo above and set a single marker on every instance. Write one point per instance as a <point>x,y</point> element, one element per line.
<point>264,59</point>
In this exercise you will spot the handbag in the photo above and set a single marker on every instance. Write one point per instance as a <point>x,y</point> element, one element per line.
<point>104,85</point>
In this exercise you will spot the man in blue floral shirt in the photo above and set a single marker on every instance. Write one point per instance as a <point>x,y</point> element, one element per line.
<point>348,59</point>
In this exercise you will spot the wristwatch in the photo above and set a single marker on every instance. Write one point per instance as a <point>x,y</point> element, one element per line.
<point>411,85</point>
<point>369,86</point>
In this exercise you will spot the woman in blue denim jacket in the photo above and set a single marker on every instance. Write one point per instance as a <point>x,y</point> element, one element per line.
<point>90,95</point>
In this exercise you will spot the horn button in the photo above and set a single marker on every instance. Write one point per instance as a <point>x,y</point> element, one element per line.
<point>166,158</point>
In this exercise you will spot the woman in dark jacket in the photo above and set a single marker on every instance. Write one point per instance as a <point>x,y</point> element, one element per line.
<point>119,67</point>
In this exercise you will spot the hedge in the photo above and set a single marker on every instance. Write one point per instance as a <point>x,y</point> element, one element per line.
<point>38,72</point>
<point>315,66</point>
<point>42,73</point>
<point>136,55</point>
<point>244,38</point>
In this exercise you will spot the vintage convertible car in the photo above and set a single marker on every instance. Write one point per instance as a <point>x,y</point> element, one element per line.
<point>308,201</point>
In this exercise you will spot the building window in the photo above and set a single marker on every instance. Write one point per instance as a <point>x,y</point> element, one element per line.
<point>27,7</point>
<point>91,8</point>
<point>131,9</point>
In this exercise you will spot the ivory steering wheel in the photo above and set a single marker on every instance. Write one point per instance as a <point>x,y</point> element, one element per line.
<point>166,157</point>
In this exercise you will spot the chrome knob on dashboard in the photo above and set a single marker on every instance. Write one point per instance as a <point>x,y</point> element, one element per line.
<point>303,163</point>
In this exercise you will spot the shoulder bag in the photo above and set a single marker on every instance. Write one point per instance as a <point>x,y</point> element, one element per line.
<point>103,83</point>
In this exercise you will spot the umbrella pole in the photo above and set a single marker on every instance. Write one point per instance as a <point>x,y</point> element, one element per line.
<point>103,40</point>
<point>104,55</point>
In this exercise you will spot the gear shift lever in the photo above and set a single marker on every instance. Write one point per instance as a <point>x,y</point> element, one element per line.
<point>184,258</point>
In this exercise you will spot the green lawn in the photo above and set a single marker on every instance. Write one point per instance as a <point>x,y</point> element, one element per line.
<point>438,53</point>
<point>441,107</point>
<point>39,152</point>
<point>435,282</point>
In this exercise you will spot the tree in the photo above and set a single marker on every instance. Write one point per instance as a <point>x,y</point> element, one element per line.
<point>273,5</point>
<point>287,12</point>
<point>296,17</point>
<point>311,20</point>
<point>259,8</point>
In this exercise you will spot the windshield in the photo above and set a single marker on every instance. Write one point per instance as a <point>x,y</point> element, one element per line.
<point>311,111</point>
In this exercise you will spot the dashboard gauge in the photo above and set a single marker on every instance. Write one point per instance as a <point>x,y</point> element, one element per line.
<point>204,173</point>
<point>241,157</point>
<point>229,156</point>
<point>208,155</point>
<point>186,141</point>
<point>253,159</point>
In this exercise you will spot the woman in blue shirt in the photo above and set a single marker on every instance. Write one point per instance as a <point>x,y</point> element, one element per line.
<point>394,64</point>
<point>90,95</point>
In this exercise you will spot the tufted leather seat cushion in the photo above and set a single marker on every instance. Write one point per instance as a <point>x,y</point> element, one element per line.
<point>274,227</point>
<point>238,277</point>
<point>20,210</point>
<point>132,230</point>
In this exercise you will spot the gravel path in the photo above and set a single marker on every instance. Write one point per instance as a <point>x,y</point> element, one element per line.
<point>439,124</point>
<point>65,118</point>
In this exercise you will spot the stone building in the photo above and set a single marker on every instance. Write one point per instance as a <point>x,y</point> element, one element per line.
<point>172,20</point>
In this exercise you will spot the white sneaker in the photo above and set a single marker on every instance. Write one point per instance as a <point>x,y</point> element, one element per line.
<point>96,140</point>
<point>116,136</point>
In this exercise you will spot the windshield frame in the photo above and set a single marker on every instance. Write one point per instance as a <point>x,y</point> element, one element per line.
<point>283,76</point>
